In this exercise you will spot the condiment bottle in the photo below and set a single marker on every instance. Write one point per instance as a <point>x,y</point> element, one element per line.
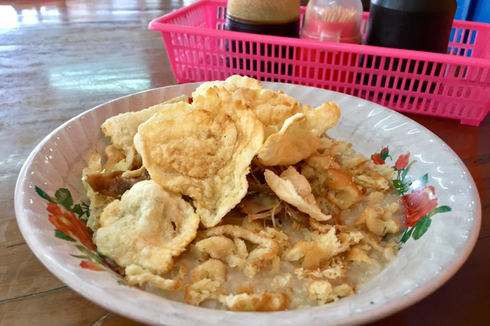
<point>278,17</point>
<point>333,21</point>
<point>422,25</point>
<point>330,21</point>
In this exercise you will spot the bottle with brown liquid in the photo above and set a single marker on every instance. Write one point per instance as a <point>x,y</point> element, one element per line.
<point>278,18</point>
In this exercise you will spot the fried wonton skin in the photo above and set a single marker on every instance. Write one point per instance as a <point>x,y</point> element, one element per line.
<point>298,137</point>
<point>123,127</point>
<point>272,108</point>
<point>294,189</point>
<point>204,153</point>
<point>232,82</point>
<point>148,227</point>
<point>291,129</point>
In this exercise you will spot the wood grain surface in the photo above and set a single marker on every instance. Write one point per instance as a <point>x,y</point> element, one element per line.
<point>60,58</point>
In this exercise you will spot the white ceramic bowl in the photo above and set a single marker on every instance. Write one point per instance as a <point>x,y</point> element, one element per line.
<point>421,266</point>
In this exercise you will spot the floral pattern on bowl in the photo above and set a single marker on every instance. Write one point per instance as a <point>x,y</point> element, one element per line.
<point>70,222</point>
<point>418,198</point>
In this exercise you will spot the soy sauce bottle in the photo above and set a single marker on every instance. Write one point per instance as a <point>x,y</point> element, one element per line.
<point>422,25</point>
<point>277,18</point>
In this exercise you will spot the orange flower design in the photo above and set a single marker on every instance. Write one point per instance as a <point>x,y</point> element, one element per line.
<point>376,157</point>
<point>87,264</point>
<point>70,225</point>
<point>419,203</point>
<point>402,161</point>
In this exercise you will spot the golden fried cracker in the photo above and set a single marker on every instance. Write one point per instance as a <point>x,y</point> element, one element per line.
<point>123,127</point>
<point>205,153</point>
<point>147,228</point>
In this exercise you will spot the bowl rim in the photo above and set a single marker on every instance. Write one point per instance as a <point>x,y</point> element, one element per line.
<point>385,310</point>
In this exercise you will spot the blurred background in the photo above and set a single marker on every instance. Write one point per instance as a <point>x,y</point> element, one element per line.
<point>37,10</point>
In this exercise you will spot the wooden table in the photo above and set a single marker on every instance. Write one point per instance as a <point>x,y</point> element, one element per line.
<point>60,58</point>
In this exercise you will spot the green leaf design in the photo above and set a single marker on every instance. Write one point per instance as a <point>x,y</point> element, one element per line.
<point>86,209</point>
<point>421,182</point>
<point>77,209</point>
<point>403,190</point>
<point>92,256</point>
<point>101,256</point>
<point>122,282</point>
<point>421,227</point>
<point>406,235</point>
<point>405,171</point>
<point>44,195</point>
<point>63,196</point>
<point>384,153</point>
<point>80,257</point>
<point>440,209</point>
<point>63,236</point>
<point>402,185</point>
<point>407,180</point>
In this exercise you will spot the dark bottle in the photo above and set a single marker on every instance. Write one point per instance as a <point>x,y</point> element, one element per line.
<point>422,25</point>
<point>278,18</point>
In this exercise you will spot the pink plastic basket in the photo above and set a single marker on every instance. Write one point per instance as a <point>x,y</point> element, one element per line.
<point>454,85</point>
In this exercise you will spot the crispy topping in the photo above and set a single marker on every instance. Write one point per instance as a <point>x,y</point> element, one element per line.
<point>266,301</point>
<point>123,127</point>
<point>135,275</point>
<point>359,254</point>
<point>203,150</point>
<point>202,290</point>
<point>294,189</point>
<point>378,221</point>
<point>298,137</point>
<point>322,291</point>
<point>212,269</point>
<point>345,192</point>
<point>265,250</point>
<point>248,193</point>
<point>147,227</point>
<point>319,248</point>
<point>113,184</point>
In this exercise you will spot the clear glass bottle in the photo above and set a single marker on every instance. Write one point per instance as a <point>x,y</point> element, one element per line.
<point>333,21</point>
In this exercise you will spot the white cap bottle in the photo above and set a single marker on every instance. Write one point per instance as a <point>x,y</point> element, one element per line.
<point>333,21</point>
